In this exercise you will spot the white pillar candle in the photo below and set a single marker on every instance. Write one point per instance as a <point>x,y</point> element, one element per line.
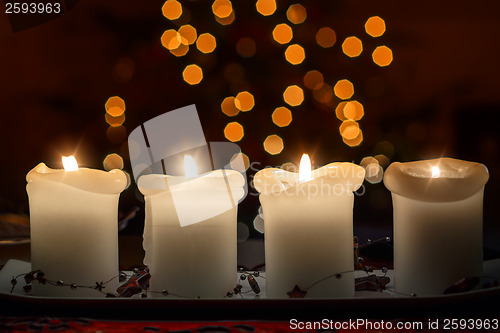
<point>309,229</point>
<point>74,226</point>
<point>438,217</point>
<point>190,231</point>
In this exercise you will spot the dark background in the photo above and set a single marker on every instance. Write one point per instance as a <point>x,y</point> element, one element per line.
<point>439,97</point>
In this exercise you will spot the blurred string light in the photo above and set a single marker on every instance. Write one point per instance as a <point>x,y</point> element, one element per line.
<point>172,9</point>
<point>273,144</point>
<point>295,54</point>
<point>375,26</point>
<point>222,8</point>
<point>382,56</point>
<point>234,131</point>
<point>373,170</point>
<point>352,46</point>
<point>115,117</point>
<point>226,20</point>
<point>313,80</point>
<point>223,11</point>
<point>326,37</point>
<point>343,89</point>
<point>349,129</point>
<point>324,94</point>
<point>228,108</point>
<point>206,43</point>
<point>296,14</point>
<point>113,161</point>
<point>266,7</point>
<point>282,116</point>
<point>115,106</point>
<point>244,101</point>
<point>293,95</point>
<point>353,110</point>
<point>354,142</point>
<point>188,34</point>
<point>348,111</point>
<point>192,74</point>
<point>240,162</point>
<point>282,33</point>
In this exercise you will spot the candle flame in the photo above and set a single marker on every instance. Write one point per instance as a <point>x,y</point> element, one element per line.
<point>190,168</point>
<point>305,172</point>
<point>69,163</point>
<point>435,172</point>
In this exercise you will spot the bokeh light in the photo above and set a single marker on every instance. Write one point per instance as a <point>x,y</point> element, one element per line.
<point>383,160</point>
<point>339,111</point>
<point>234,131</point>
<point>296,14</point>
<point>367,160</point>
<point>206,43</point>
<point>326,37</point>
<point>352,46</point>
<point>273,144</point>
<point>113,161</point>
<point>295,54</point>
<point>244,101</point>
<point>343,89</point>
<point>228,108</point>
<point>354,142</point>
<point>240,162</point>
<point>222,8</point>
<point>246,47</point>
<point>375,26</point>
<point>385,147</point>
<point>382,56</point>
<point>115,121</point>
<point>181,50</point>
<point>258,224</point>
<point>188,32</point>
<point>266,7</point>
<point>349,129</point>
<point>282,33</point>
<point>170,39</point>
<point>374,173</point>
<point>313,80</point>
<point>115,106</point>
<point>172,9</point>
<point>282,116</point>
<point>353,110</point>
<point>324,94</point>
<point>192,74</point>
<point>226,20</point>
<point>116,134</point>
<point>293,95</point>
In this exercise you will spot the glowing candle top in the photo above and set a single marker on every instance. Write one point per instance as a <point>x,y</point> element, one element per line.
<point>437,180</point>
<point>339,177</point>
<point>90,180</point>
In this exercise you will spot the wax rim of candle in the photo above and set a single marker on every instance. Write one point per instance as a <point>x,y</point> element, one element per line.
<point>273,181</point>
<point>155,183</point>
<point>90,180</point>
<point>458,180</point>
